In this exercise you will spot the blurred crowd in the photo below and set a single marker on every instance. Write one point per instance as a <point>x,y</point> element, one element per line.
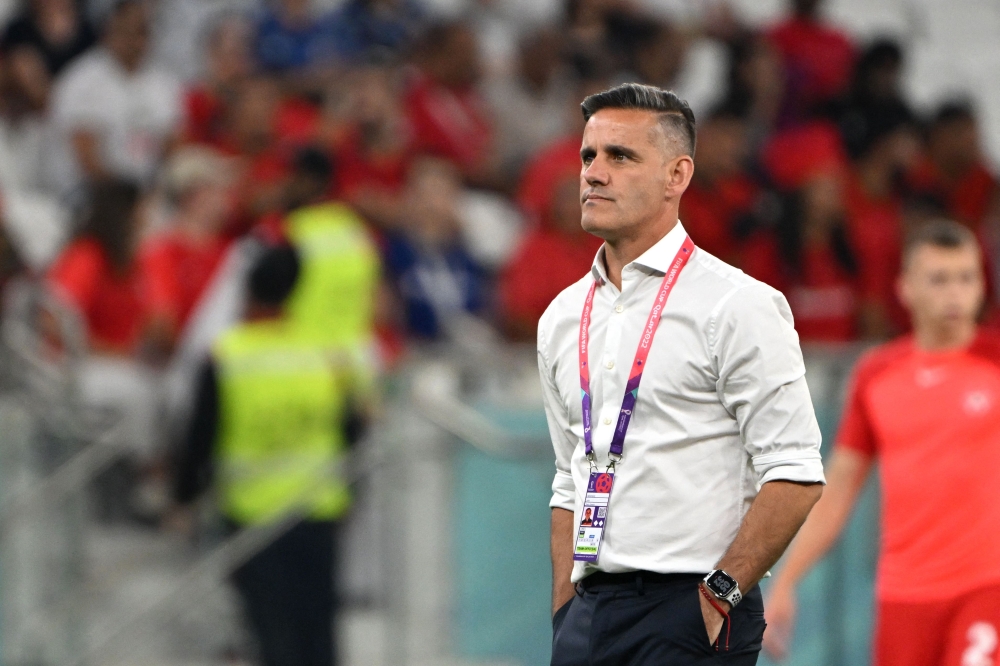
<point>130,187</point>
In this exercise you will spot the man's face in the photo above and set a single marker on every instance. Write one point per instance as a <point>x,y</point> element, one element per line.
<point>626,163</point>
<point>128,35</point>
<point>943,287</point>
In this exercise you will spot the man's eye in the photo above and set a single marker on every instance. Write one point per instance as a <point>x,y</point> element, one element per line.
<point>619,158</point>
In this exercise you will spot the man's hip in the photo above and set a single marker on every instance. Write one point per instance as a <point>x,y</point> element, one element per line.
<point>644,618</point>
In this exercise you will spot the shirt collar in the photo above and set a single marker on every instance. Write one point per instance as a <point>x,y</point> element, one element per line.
<point>659,257</point>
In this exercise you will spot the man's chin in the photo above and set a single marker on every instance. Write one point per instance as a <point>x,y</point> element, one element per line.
<point>595,228</point>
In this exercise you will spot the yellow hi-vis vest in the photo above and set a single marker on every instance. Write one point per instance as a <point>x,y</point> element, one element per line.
<point>334,299</point>
<point>279,445</point>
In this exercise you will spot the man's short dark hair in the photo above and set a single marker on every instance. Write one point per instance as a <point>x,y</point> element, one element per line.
<point>274,275</point>
<point>940,233</point>
<point>675,114</point>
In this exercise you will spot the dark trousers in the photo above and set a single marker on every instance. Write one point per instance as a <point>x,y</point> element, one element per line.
<point>290,598</point>
<point>645,619</point>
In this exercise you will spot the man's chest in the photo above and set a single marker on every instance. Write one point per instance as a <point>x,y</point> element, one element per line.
<point>928,410</point>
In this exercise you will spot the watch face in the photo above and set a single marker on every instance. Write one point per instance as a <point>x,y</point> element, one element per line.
<point>721,583</point>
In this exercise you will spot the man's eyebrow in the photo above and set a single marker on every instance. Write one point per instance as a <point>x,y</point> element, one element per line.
<point>614,149</point>
<point>586,152</point>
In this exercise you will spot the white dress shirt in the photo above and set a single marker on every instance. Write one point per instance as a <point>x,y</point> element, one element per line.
<point>723,407</point>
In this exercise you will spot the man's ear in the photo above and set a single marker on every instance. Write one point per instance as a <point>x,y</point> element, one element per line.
<point>680,170</point>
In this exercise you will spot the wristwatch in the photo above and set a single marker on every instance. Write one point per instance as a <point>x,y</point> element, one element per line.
<point>724,587</point>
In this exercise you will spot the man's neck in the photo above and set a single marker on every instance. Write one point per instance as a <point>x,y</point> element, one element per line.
<point>935,339</point>
<point>620,252</point>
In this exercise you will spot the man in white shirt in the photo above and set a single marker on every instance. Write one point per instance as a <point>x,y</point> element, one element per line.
<point>698,481</point>
<point>113,111</point>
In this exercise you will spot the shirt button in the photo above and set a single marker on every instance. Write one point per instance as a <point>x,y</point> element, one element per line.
<point>619,308</point>
<point>607,420</point>
<point>610,364</point>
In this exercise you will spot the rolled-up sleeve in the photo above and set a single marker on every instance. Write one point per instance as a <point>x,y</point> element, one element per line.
<point>563,439</point>
<point>761,382</point>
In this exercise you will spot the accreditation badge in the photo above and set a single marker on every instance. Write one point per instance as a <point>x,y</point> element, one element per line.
<point>594,516</point>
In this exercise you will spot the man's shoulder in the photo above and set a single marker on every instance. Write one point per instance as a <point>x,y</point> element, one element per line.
<point>721,285</point>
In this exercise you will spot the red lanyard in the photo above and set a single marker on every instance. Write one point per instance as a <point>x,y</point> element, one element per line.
<point>641,354</point>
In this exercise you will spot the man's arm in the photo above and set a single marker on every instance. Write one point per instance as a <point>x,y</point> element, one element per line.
<point>846,475</point>
<point>562,558</point>
<point>769,526</point>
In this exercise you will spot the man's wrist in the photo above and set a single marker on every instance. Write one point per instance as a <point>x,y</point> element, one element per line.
<point>715,601</point>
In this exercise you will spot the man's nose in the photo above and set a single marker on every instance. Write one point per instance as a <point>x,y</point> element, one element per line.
<point>595,174</point>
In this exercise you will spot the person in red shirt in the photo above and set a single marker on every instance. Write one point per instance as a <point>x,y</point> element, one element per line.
<point>179,263</point>
<point>883,144</point>
<point>229,61</point>
<point>926,408</point>
<point>550,258</point>
<point>818,58</point>
<point>374,149</point>
<point>98,275</point>
<point>720,193</point>
<point>450,119</point>
<point>954,172</point>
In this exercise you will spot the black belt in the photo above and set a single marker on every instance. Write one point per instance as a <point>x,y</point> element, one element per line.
<point>634,579</point>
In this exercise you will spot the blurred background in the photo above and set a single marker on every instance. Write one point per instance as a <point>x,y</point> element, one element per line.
<point>421,156</point>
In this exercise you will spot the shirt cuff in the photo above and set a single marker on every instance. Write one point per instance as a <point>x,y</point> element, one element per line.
<point>563,492</point>
<point>801,467</point>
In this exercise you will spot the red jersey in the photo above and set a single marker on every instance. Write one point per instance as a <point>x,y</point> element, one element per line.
<point>547,262</point>
<point>967,199</point>
<point>111,303</point>
<point>452,124</point>
<point>933,421</point>
<point>543,174</point>
<point>710,213</point>
<point>875,230</point>
<point>177,272</point>
<point>819,59</point>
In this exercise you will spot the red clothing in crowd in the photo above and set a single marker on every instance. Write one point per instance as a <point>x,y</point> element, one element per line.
<point>112,304</point>
<point>544,172</point>
<point>818,60</point>
<point>710,213</point>
<point>794,156</point>
<point>203,122</point>
<point>360,171</point>
<point>448,123</point>
<point>177,272</point>
<point>547,262</point>
<point>874,231</point>
<point>823,298</point>
<point>966,200</point>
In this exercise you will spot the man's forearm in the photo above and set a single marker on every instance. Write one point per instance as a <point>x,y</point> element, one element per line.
<point>769,526</point>
<point>562,557</point>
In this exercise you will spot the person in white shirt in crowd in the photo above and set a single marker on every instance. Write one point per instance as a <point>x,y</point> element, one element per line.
<point>696,500</point>
<point>114,112</point>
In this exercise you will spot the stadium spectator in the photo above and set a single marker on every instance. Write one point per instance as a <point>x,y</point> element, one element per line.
<point>334,301</point>
<point>529,105</point>
<point>876,85</point>
<point>24,96</point>
<point>361,27</point>
<point>55,31</point>
<point>228,63</point>
<point>271,429</point>
<point>450,119</point>
<point>954,173</point>
<point>434,275</point>
<point>655,52</point>
<point>375,146</point>
<point>924,407</point>
<point>553,256</point>
<point>883,145</point>
<point>114,111</point>
<point>98,275</point>
<point>179,263</point>
<point>818,58</point>
<point>293,37</point>
<point>721,195</point>
<point>755,87</point>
